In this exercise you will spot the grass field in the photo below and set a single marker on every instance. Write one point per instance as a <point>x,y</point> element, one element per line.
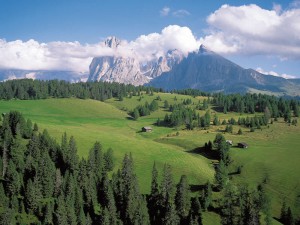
<point>273,154</point>
<point>89,121</point>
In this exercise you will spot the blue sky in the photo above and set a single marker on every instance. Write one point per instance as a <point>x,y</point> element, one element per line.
<point>82,24</point>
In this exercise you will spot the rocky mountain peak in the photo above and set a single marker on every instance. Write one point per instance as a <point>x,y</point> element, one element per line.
<point>129,69</point>
<point>112,42</point>
<point>204,50</point>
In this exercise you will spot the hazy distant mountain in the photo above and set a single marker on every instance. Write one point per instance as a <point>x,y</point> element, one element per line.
<point>208,71</point>
<point>129,69</point>
<point>9,74</point>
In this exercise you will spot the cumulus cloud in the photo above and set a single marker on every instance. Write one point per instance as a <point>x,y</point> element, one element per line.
<point>171,37</point>
<point>165,11</point>
<point>273,73</point>
<point>74,56</point>
<point>249,29</point>
<point>32,55</point>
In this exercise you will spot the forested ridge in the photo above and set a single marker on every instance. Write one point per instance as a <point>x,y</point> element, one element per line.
<point>248,103</point>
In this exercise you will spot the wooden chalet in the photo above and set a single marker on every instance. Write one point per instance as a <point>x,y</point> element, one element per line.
<point>146,129</point>
<point>242,145</point>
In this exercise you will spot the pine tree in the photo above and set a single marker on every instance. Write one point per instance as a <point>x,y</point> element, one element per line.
<point>154,198</point>
<point>46,174</point>
<point>109,201</point>
<point>35,127</point>
<point>289,217</point>
<point>135,114</point>
<point>7,217</point>
<point>105,217</point>
<point>167,186</point>
<point>48,213</point>
<point>81,217</point>
<point>58,183</point>
<point>195,212</point>
<point>221,175</point>
<point>4,199</point>
<point>170,217</point>
<point>240,132</point>
<point>109,161</point>
<point>33,196</point>
<point>13,179</point>
<point>96,161</point>
<point>60,212</point>
<point>72,157</point>
<point>206,196</point>
<point>182,198</point>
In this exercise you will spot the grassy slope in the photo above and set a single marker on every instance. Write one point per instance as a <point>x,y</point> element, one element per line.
<point>272,153</point>
<point>89,121</point>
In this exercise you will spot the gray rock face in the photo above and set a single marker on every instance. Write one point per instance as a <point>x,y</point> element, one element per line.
<point>130,70</point>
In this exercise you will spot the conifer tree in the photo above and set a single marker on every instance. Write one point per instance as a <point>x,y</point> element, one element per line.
<point>4,199</point>
<point>33,196</point>
<point>195,214</point>
<point>221,175</point>
<point>81,217</point>
<point>96,161</point>
<point>48,214</point>
<point>170,216</point>
<point>109,161</point>
<point>154,198</point>
<point>206,196</point>
<point>46,173</point>
<point>60,213</point>
<point>13,179</point>
<point>167,186</point>
<point>7,217</point>
<point>182,198</point>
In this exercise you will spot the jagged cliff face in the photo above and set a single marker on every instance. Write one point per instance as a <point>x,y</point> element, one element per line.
<point>130,70</point>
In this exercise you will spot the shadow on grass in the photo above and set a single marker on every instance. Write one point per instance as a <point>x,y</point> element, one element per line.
<point>217,108</point>
<point>210,154</point>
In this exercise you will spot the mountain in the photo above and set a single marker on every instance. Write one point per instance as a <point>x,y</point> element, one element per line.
<point>130,69</point>
<point>208,71</point>
<point>71,76</point>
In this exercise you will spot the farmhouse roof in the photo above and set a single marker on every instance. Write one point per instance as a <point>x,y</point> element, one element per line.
<point>245,145</point>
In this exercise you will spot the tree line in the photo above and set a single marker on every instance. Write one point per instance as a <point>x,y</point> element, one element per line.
<point>25,89</point>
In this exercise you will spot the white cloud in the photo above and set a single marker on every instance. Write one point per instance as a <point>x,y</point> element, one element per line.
<point>32,55</point>
<point>181,13</point>
<point>165,11</point>
<point>171,37</point>
<point>273,73</point>
<point>177,13</point>
<point>250,29</point>
<point>73,56</point>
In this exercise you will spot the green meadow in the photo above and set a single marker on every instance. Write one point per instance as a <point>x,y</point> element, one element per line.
<point>272,156</point>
